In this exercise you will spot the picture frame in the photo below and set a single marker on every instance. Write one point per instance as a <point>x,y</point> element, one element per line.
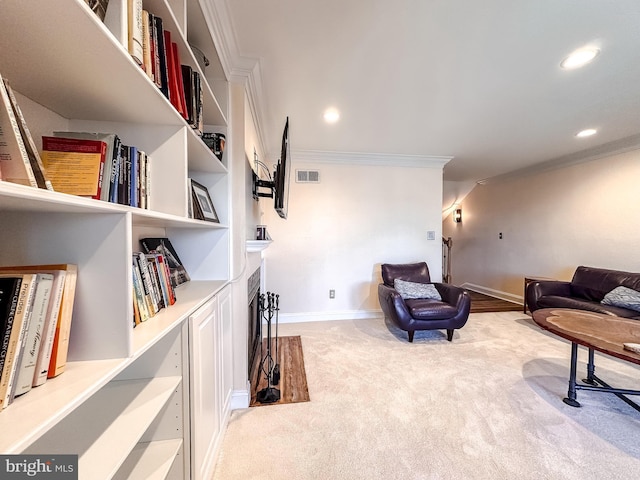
<point>203,208</point>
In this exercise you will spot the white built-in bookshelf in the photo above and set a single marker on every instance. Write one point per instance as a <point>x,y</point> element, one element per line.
<point>129,401</point>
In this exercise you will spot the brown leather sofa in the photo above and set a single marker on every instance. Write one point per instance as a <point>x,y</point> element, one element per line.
<point>585,291</point>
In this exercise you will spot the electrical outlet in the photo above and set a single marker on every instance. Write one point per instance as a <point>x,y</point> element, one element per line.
<point>332,294</point>
<point>500,235</point>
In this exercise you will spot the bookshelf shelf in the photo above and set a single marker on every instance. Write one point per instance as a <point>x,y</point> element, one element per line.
<point>125,391</point>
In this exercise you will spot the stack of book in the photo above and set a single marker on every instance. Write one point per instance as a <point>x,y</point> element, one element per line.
<point>152,286</point>
<point>36,308</point>
<point>151,46</point>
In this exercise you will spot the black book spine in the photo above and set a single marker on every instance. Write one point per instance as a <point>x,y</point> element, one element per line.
<point>12,303</point>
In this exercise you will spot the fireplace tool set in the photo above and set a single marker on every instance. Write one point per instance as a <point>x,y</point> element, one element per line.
<point>269,308</point>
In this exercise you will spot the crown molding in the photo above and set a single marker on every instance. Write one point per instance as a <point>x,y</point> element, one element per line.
<point>238,69</point>
<point>615,147</point>
<point>370,159</point>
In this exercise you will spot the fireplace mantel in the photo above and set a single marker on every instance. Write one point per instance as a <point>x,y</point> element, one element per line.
<point>257,245</point>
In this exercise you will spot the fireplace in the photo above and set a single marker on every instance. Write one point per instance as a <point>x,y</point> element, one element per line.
<point>255,325</point>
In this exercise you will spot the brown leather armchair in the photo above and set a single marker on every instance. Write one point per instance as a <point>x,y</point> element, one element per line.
<point>450,313</point>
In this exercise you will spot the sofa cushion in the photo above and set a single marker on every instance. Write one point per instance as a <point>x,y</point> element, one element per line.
<point>429,309</point>
<point>593,283</point>
<point>409,290</point>
<point>623,297</point>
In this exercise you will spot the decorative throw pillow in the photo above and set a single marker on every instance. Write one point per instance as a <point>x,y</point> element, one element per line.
<point>623,297</point>
<point>409,290</point>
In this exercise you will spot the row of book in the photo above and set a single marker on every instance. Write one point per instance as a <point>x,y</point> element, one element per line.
<point>99,166</point>
<point>151,46</point>
<point>157,271</point>
<point>36,309</point>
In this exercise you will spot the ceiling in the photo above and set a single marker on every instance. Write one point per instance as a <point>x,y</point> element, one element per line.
<point>476,80</point>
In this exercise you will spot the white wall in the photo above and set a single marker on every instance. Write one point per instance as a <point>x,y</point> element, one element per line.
<point>584,214</point>
<point>339,231</point>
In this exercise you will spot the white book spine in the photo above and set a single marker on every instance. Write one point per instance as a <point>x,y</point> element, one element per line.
<point>49,330</point>
<point>33,337</point>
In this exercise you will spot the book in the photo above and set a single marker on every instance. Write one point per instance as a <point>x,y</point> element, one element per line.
<point>163,78</point>
<point>164,277</point>
<point>134,30</point>
<point>146,45</point>
<point>179,80</point>
<point>163,245</point>
<point>34,334</point>
<point>189,94</point>
<point>139,298</point>
<point>32,151</point>
<point>134,180</point>
<point>60,347</point>
<point>99,7</point>
<point>198,94</point>
<point>155,56</point>
<point>75,166</point>
<point>14,159</point>
<point>111,156</point>
<point>174,97</point>
<point>9,292</point>
<point>147,287</point>
<point>16,333</point>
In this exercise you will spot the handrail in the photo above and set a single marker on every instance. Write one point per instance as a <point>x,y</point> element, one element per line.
<point>446,257</point>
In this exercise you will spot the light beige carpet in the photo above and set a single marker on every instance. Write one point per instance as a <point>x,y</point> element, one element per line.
<point>486,406</point>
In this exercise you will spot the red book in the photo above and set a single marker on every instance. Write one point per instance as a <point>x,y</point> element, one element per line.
<point>174,89</point>
<point>178,66</point>
<point>74,165</point>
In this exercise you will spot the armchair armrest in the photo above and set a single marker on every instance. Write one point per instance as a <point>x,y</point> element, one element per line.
<point>455,296</point>
<point>541,288</point>
<point>393,305</point>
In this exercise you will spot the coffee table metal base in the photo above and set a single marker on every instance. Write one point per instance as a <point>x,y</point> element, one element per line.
<point>592,382</point>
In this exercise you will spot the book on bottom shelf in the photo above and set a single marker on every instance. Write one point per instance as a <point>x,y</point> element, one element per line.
<point>13,337</point>
<point>26,367</point>
<point>52,358</point>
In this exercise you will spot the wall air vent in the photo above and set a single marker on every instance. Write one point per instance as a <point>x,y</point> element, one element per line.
<point>307,176</point>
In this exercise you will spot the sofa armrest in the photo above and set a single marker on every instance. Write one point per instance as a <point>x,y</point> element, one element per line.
<point>541,288</point>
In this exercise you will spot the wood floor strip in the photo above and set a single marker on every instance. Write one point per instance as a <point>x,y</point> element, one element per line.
<point>481,303</point>
<point>293,378</point>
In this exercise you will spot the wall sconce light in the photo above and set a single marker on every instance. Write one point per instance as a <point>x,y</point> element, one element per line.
<point>457,215</point>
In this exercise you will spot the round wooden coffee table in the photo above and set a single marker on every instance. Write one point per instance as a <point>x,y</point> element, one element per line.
<point>597,332</point>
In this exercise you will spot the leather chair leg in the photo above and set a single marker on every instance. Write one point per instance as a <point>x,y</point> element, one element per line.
<point>449,334</point>
<point>410,335</point>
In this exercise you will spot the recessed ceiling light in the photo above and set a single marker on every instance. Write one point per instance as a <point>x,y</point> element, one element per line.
<point>579,57</point>
<point>586,133</point>
<point>331,115</point>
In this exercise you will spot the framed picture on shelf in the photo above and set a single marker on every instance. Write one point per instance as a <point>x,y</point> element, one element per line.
<point>202,205</point>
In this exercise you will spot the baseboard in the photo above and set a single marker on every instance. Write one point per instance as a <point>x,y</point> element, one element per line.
<point>240,399</point>
<point>329,316</point>
<point>507,297</point>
